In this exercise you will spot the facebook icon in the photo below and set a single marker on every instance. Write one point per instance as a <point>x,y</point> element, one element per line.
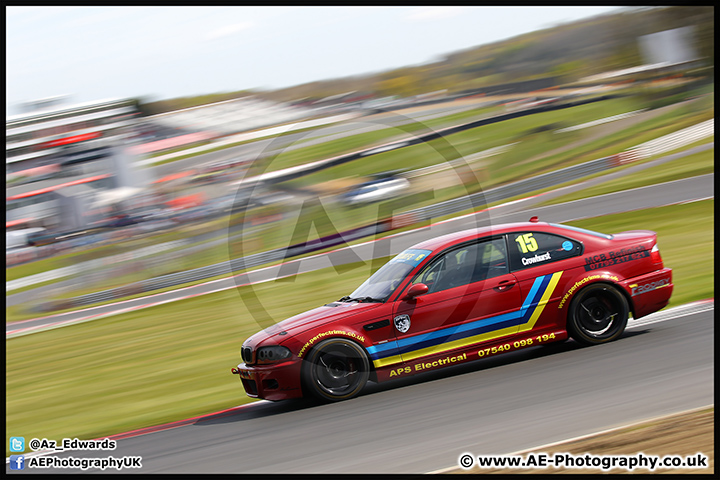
<point>17,462</point>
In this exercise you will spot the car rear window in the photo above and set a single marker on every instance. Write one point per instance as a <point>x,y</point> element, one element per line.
<point>582,230</point>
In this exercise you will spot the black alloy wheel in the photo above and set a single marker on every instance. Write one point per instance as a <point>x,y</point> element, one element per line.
<point>597,314</point>
<point>336,369</point>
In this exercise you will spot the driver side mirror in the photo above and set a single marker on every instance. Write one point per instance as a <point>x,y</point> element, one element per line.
<point>416,290</point>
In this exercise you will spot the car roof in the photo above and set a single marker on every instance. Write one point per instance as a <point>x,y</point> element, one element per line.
<point>445,241</point>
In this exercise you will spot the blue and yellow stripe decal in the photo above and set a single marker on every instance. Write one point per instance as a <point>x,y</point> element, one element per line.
<point>458,336</point>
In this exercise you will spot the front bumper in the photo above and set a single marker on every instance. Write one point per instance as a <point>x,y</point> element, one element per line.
<point>649,292</point>
<point>278,381</point>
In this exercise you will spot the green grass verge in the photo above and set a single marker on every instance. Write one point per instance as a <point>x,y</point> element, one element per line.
<point>360,141</point>
<point>337,149</point>
<point>173,361</point>
<point>689,166</point>
<point>479,139</point>
<point>533,144</point>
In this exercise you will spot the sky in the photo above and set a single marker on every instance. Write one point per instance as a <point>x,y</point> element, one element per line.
<point>155,53</point>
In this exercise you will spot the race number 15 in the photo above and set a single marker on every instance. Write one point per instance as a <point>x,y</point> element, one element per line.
<point>527,243</point>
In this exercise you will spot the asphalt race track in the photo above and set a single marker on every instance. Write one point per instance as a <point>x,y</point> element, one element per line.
<point>423,423</point>
<point>684,190</point>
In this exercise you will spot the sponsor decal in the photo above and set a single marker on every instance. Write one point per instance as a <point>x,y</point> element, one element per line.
<point>567,245</point>
<point>535,259</point>
<point>441,362</point>
<point>526,243</point>
<point>648,287</point>
<point>402,323</point>
<point>625,251</point>
<point>599,261</point>
<point>612,254</point>
<point>331,332</point>
<point>580,283</point>
<point>517,344</point>
<point>411,257</point>
<point>454,337</point>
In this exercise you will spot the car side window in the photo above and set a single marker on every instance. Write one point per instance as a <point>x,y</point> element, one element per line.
<point>529,249</point>
<point>464,265</point>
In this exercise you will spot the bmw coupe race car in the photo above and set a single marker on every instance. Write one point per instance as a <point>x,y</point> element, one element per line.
<point>458,298</point>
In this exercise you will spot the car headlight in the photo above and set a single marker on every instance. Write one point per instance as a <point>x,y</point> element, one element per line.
<point>272,354</point>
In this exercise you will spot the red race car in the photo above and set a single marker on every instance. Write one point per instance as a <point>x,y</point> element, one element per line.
<point>457,298</point>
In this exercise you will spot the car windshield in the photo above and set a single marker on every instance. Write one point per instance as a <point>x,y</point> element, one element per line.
<point>383,282</point>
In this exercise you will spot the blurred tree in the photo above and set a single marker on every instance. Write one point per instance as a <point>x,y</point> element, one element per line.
<point>572,50</point>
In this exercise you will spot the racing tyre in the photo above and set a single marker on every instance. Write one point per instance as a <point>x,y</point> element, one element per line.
<point>597,314</point>
<point>337,369</point>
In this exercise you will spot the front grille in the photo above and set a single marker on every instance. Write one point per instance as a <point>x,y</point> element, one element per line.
<point>246,353</point>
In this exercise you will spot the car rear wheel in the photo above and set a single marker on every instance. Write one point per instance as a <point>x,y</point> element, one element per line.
<point>597,314</point>
<point>337,369</point>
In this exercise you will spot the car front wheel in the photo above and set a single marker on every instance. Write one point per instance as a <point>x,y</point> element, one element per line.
<point>597,314</point>
<point>337,369</point>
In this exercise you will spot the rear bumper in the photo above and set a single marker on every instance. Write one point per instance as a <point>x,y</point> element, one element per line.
<point>271,382</point>
<point>649,292</point>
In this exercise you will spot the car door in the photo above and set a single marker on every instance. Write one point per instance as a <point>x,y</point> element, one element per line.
<point>536,259</point>
<point>471,298</point>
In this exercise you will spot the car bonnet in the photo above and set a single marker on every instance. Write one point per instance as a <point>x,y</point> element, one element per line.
<point>310,319</point>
